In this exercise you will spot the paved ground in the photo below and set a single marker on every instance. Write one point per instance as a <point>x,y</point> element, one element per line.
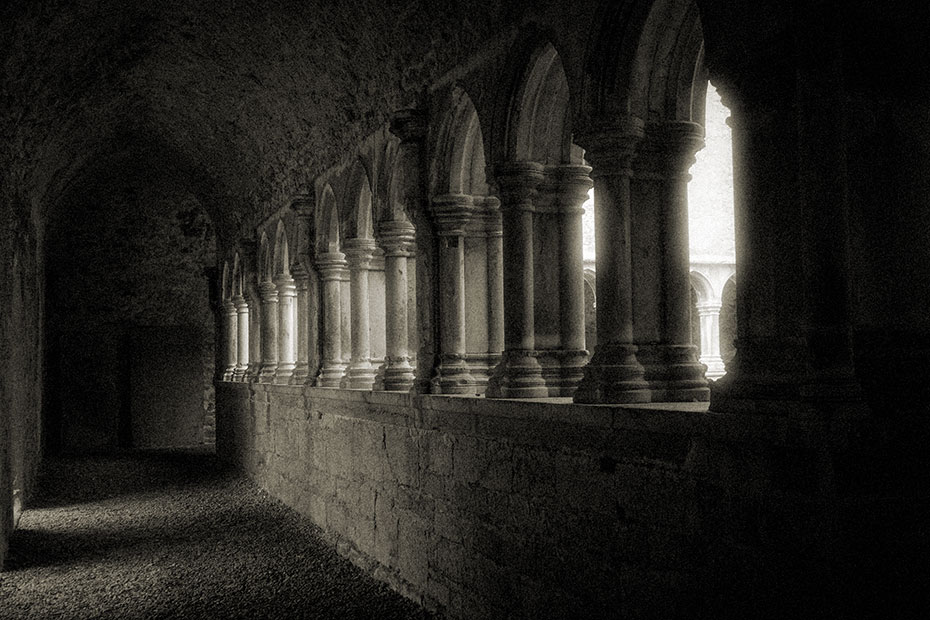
<point>175,535</point>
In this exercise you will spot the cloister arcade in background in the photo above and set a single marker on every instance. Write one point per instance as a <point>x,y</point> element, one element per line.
<point>344,290</point>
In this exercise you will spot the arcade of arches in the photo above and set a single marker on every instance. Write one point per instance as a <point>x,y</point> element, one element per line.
<point>383,207</point>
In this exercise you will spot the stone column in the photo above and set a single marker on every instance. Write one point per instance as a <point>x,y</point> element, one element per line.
<point>573,183</point>
<point>709,311</point>
<point>411,127</point>
<point>287,358</point>
<point>661,263</point>
<point>242,339</point>
<point>269,295</point>
<point>232,330</point>
<point>255,335</point>
<point>358,252</point>
<point>331,266</point>
<point>397,239</point>
<point>613,375</point>
<point>519,374</point>
<point>302,325</point>
<point>345,289</point>
<point>451,214</point>
<point>495,278</point>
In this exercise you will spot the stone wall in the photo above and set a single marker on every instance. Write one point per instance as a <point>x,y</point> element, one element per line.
<point>127,278</point>
<point>21,307</point>
<point>495,508</point>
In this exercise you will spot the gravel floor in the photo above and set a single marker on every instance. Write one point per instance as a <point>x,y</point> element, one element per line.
<point>175,535</point>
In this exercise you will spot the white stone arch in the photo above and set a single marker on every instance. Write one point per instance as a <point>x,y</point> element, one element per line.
<point>703,287</point>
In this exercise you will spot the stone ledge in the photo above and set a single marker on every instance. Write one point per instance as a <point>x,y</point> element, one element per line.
<point>483,416</point>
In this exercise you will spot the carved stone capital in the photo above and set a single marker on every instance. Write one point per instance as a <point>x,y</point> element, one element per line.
<point>285,285</point>
<point>452,213</point>
<point>331,265</point>
<point>611,148</point>
<point>518,182</point>
<point>572,183</point>
<point>397,237</point>
<point>268,291</point>
<point>670,148</point>
<point>359,252</point>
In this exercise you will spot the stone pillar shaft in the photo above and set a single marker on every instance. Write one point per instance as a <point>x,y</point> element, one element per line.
<point>230,322</point>
<point>330,266</point>
<point>495,286</point>
<point>451,214</point>
<point>397,239</point>
<point>573,183</point>
<point>269,294</point>
<point>255,335</point>
<point>710,339</point>
<point>302,325</point>
<point>287,358</point>
<point>613,375</point>
<point>361,375</point>
<point>242,339</point>
<point>661,310</point>
<point>519,374</point>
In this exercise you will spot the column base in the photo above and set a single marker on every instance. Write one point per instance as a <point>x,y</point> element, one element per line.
<point>267,373</point>
<point>360,376</point>
<point>284,372</point>
<point>836,392</point>
<point>239,374</point>
<point>562,370</point>
<point>453,376</point>
<point>227,375</point>
<point>481,366</point>
<point>613,376</point>
<point>301,374</point>
<point>715,366</point>
<point>252,372</point>
<point>331,375</point>
<point>673,373</point>
<point>398,375</point>
<point>573,365</point>
<point>518,375</point>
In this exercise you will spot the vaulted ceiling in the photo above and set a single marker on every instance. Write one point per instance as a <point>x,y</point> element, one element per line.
<point>251,99</point>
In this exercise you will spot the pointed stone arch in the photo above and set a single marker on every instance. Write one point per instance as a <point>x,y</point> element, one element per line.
<point>645,61</point>
<point>265,258</point>
<point>459,165</point>
<point>281,265</point>
<point>329,229</point>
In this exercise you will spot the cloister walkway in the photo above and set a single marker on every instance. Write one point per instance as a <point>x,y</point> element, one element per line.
<point>175,535</point>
